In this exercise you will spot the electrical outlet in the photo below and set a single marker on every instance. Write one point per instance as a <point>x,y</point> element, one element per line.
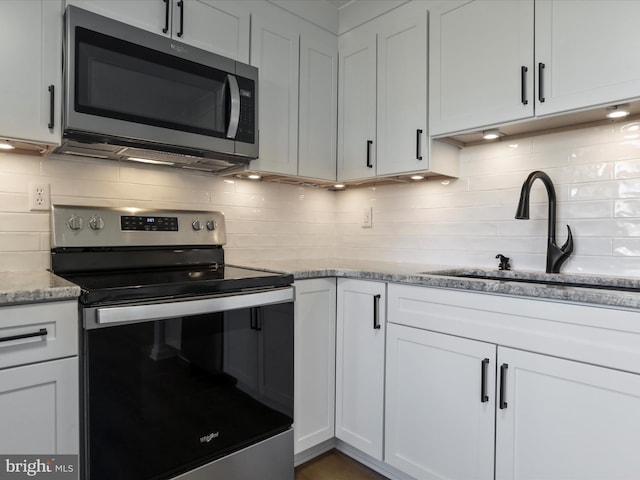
<point>367,220</point>
<point>39,196</point>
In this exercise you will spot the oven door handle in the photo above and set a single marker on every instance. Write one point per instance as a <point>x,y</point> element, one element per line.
<point>158,311</point>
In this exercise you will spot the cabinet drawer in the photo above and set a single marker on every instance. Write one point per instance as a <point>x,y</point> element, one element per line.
<point>587,333</point>
<point>37,332</point>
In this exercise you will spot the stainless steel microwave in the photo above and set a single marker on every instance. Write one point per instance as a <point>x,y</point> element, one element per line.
<point>134,95</point>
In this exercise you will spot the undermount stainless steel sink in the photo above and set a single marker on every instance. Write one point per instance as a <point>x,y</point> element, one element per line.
<point>556,280</point>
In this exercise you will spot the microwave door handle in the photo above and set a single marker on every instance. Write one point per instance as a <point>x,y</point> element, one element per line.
<point>234,117</point>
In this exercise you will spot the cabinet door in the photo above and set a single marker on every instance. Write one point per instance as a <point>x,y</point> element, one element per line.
<point>30,45</point>
<point>318,105</point>
<point>149,15</point>
<point>315,362</point>
<point>402,91</point>
<point>39,407</point>
<point>217,26</point>
<point>360,337</point>
<point>357,104</point>
<point>477,53</point>
<point>585,49</point>
<point>565,419</point>
<point>439,414</point>
<point>275,49</point>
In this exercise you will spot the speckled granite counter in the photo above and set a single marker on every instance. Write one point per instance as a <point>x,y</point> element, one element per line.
<point>40,286</point>
<point>36,286</point>
<point>436,276</point>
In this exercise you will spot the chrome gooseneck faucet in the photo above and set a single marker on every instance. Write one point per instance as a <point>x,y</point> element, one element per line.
<point>555,255</point>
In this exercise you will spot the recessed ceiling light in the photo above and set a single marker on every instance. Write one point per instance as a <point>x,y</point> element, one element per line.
<point>618,111</point>
<point>6,146</point>
<point>253,176</point>
<point>417,177</point>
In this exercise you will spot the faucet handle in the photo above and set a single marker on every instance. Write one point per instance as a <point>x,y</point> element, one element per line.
<point>504,262</point>
<point>568,245</point>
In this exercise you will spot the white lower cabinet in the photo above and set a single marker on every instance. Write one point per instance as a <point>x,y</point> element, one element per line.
<point>315,361</point>
<point>39,406</point>
<point>439,414</point>
<point>566,420</point>
<point>555,418</point>
<point>360,343</point>
<point>39,397</point>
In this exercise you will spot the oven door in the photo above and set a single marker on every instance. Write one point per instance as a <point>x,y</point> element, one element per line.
<point>166,395</point>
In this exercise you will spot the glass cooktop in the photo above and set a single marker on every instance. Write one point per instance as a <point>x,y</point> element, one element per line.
<point>155,284</point>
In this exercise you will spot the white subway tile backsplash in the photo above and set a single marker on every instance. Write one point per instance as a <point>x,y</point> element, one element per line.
<point>17,242</point>
<point>463,221</point>
<point>19,164</point>
<point>627,169</point>
<point>627,208</point>
<point>626,247</point>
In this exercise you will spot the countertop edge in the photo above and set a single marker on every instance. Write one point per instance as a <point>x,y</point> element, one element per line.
<point>35,287</point>
<point>427,277</point>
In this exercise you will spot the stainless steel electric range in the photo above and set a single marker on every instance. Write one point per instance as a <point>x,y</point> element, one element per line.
<point>187,362</point>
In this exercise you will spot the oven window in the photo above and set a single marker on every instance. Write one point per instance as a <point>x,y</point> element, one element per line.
<point>120,80</point>
<point>164,397</point>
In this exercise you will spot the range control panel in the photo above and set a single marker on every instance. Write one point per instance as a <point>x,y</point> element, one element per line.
<point>109,227</point>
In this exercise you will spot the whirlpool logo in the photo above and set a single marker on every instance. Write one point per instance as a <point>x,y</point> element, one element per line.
<point>208,438</point>
<point>17,467</point>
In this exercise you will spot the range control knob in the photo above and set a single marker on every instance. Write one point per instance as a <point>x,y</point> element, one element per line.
<point>197,225</point>
<point>212,225</point>
<point>96,223</point>
<point>75,222</point>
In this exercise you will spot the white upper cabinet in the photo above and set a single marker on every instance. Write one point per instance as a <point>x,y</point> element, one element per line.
<point>297,65</point>
<point>383,104</point>
<point>489,67</point>
<point>588,52</point>
<point>275,50</point>
<point>357,104</point>
<point>151,15</point>
<point>31,83</point>
<point>318,105</point>
<point>402,91</point>
<point>481,60</point>
<point>217,26</point>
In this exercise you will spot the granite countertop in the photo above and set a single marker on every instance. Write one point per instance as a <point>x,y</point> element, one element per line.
<point>35,286</point>
<point>40,286</point>
<point>441,276</point>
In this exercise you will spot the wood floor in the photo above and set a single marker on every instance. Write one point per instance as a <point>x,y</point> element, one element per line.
<point>334,465</point>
